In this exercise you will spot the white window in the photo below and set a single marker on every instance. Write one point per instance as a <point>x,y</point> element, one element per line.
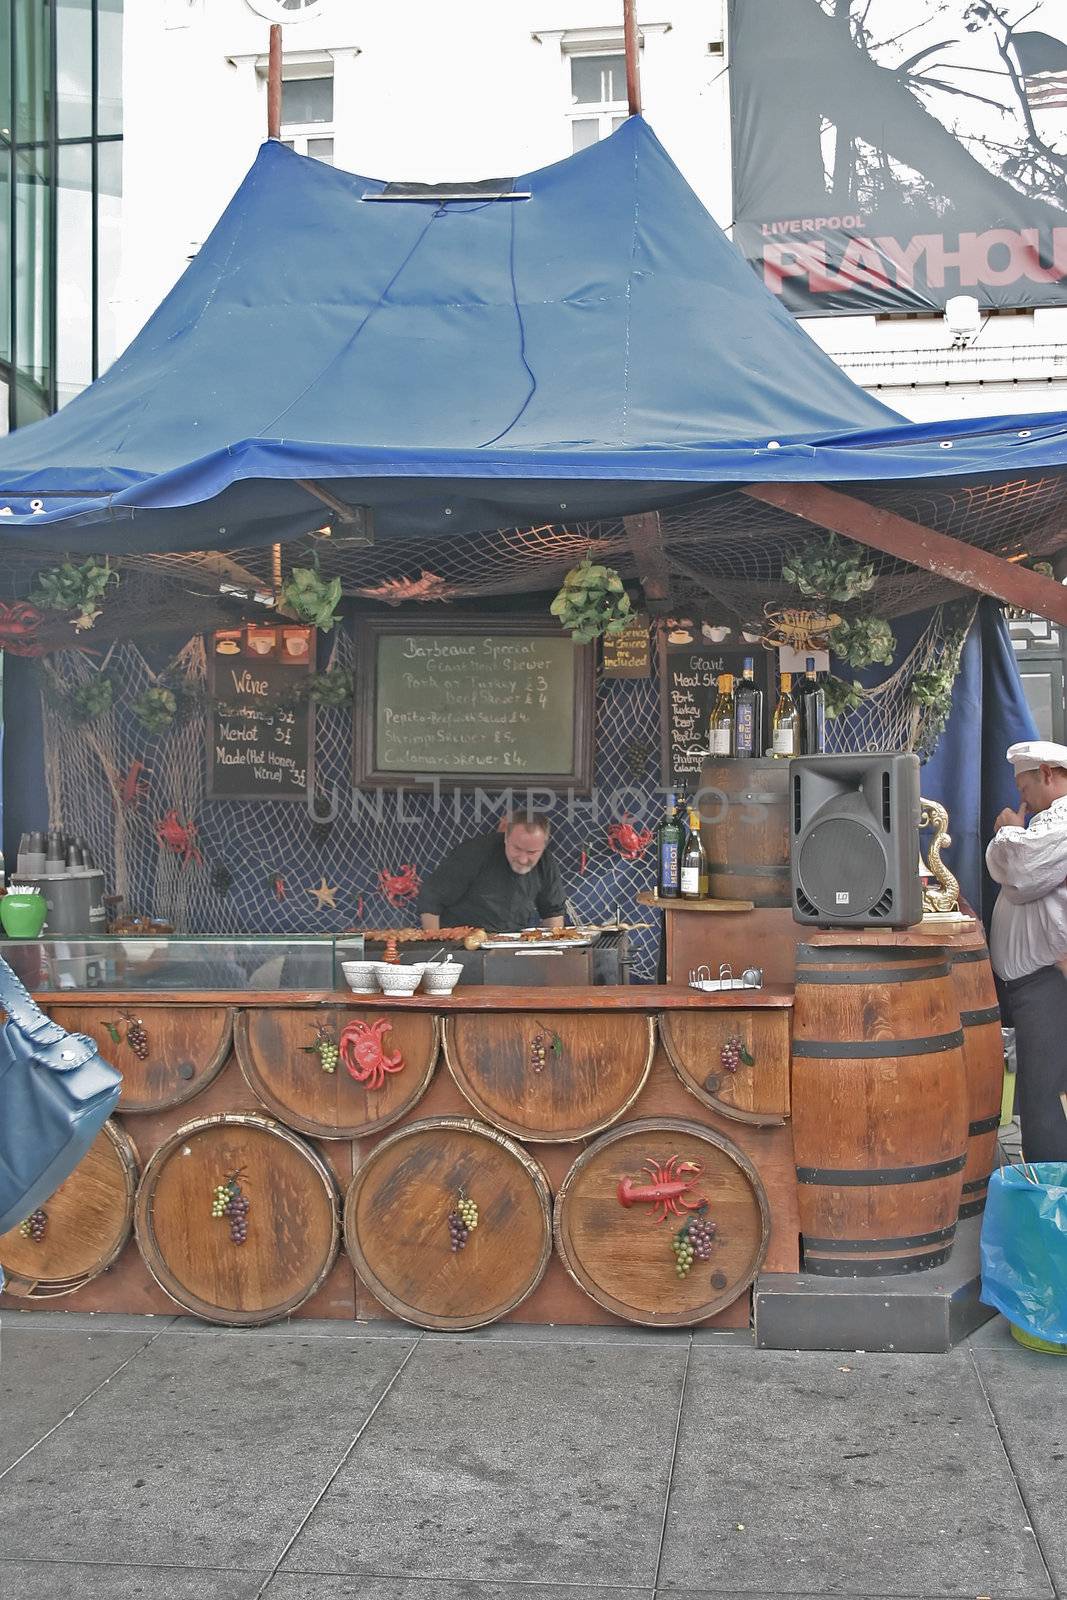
<point>598,96</point>
<point>307,111</point>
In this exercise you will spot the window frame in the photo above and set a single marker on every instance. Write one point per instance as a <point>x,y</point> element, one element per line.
<point>608,114</point>
<point>297,134</point>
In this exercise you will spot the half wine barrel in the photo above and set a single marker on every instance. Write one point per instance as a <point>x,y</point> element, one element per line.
<point>400,1223</point>
<point>278,1049</point>
<point>744,813</point>
<point>179,1050</point>
<point>983,1059</point>
<point>82,1228</point>
<point>550,1076</point>
<point>622,1209</point>
<point>879,1108</point>
<point>291,1229</point>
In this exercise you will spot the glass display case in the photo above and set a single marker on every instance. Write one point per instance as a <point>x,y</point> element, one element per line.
<point>171,964</point>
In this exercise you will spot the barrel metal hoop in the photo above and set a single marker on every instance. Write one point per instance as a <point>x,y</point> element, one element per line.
<point>958,957</point>
<point>972,1208</point>
<point>876,956</point>
<point>985,1125</point>
<point>976,1185</point>
<point>878,1177</point>
<point>884,975</point>
<point>747,869</point>
<point>843,1246</point>
<point>869,1049</point>
<point>877,1269</point>
<point>975,1019</point>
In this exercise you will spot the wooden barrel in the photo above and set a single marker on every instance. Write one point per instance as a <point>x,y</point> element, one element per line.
<point>397,1230</point>
<point>182,1048</point>
<point>879,1108</point>
<point>86,1223</point>
<point>615,1229</point>
<point>744,814</point>
<point>277,1049</point>
<point>550,1076</point>
<point>752,1083</point>
<point>983,1059</point>
<point>292,1224</point>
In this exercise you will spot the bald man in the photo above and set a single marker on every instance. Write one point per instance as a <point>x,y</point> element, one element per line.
<point>1028,939</point>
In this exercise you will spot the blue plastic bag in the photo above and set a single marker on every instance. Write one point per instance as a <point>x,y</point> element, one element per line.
<point>1024,1248</point>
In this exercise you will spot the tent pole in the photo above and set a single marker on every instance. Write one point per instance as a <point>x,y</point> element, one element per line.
<point>274,83</point>
<point>633,67</point>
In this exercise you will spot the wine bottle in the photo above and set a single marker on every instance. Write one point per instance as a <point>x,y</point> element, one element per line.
<point>785,726</point>
<point>669,853</point>
<point>694,874</point>
<point>721,721</point>
<point>812,713</point>
<point>748,714</point>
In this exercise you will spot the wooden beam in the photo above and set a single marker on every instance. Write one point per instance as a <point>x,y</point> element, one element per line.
<point>343,512</point>
<point>632,47</point>
<point>949,558</point>
<point>644,534</point>
<point>274,82</point>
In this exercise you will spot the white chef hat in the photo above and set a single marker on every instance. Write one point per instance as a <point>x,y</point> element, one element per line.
<point>1037,753</point>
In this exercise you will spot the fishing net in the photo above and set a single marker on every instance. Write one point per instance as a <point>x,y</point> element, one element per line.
<point>261,861</point>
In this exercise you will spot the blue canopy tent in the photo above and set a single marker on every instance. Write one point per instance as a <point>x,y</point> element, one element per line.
<point>595,348</point>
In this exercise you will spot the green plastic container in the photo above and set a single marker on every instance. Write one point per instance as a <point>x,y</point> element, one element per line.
<point>22,915</point>
<point>1046,1346</point>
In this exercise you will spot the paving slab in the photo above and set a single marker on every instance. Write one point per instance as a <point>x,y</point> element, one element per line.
<point>302,1328</point>
<point>87,1321</point>
<point>42,1379</point>
<point>856,1475</point>
<point>507,1463</point>
<point>202,1452</point>
<point>47,1580</point>
<point>301,1586</point>
<point>1028,1394</point>
<point>564,1333</point>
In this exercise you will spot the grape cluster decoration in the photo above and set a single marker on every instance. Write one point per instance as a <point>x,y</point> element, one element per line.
<point>325,1046</point>
<point>34,1226</point>
<point>734,1053</point>
<point>136,1034</point>
<point>229,1201</point>
<point>544,1040</point>
<point>693,1242</point>
<point>462,1221</point>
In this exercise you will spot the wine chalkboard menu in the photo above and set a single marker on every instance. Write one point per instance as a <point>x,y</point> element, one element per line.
<point>260,736</point>
<point>688,688</point>
<point>472,701</point>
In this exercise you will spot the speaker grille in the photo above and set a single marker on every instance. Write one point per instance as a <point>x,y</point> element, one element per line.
<point>842,857</point>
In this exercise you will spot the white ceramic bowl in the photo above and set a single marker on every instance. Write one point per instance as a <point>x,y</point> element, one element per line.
<point>398,979</point>
<point>361,976</point>
<point>441,977</point>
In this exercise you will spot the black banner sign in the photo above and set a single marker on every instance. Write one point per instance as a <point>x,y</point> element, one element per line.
<point>890,154</point>
<point>259,730</point>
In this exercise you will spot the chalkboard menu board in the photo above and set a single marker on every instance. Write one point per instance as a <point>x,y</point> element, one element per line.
<point>260,739</point>
<point>627,654</point>
<point>688,687</point>
<point>472,702</point>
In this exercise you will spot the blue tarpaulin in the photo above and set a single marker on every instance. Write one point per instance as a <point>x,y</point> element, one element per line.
<point>598,347</point>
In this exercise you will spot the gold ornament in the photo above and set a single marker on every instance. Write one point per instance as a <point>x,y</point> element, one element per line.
<point>947,898</point>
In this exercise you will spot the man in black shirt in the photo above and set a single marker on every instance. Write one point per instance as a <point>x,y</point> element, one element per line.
<point>503,882</point>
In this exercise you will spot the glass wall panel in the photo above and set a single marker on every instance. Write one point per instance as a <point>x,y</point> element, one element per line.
<point>109,66</point>
<point>74,69</point>
<point>74,271</point>
<point>108,249</point>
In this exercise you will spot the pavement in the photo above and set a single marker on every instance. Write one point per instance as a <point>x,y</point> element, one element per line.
<point>160,1457</point>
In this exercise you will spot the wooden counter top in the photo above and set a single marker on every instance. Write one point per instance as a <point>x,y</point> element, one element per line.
<point>645,898</point>
<point>642,997</point>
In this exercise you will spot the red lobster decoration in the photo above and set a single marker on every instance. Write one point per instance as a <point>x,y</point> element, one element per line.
<point>670,1183</point>
<point>18,628</point>
<point>133,787</point>
<point>362,1053</point>
<point>179,837</point>
<point>628,841</point>
<point>399,886</point>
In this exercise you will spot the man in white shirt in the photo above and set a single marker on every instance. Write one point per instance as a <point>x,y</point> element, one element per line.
<point>1028,939</point>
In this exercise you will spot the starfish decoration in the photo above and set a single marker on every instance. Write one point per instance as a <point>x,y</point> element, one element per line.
<point>324,895</point>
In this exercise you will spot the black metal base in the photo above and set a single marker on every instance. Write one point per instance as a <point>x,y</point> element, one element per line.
<point>917,1311</point>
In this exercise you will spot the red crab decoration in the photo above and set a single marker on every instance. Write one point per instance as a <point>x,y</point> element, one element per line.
<point>18,627</point>
<point>364,1058</point>
<point>666,1192</point>
<point>179,838</point>
<point>399,886</point>
<point>133,787</point>
<point>628,841</point>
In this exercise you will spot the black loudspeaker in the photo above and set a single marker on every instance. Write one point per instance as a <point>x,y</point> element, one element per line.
<point>854,840</point>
